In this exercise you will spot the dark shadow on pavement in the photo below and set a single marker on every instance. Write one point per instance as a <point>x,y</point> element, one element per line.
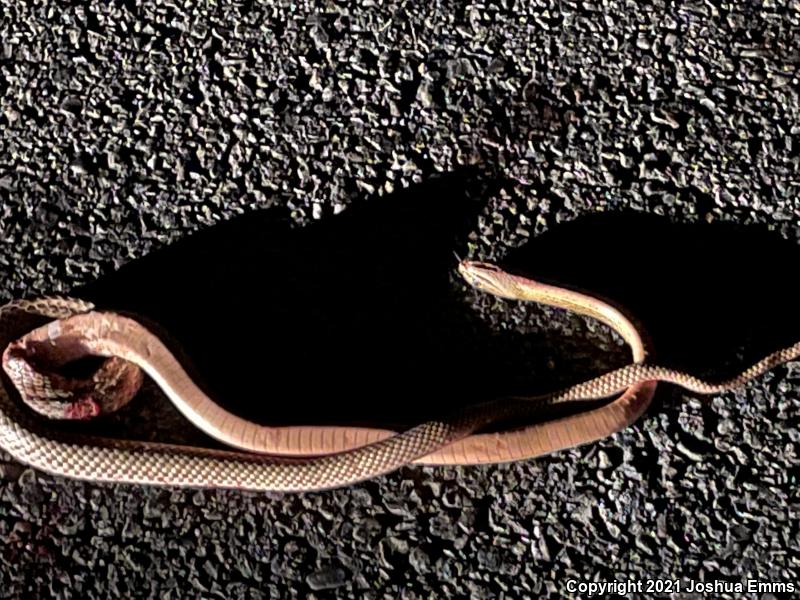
<point>357,319</point>
<point>713,297</point>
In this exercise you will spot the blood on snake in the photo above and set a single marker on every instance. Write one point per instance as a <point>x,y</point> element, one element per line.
<point>294,458</point>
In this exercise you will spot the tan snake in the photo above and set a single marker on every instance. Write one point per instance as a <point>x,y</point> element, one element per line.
<point>332,456</point>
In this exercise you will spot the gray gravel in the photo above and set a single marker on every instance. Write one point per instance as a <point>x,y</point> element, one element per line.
<point>126,127</point>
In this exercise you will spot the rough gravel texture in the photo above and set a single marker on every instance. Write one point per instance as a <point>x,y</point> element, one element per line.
<point>124,127</point>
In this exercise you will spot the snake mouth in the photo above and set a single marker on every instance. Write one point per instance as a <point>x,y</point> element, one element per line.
<point>477,264</point>
<point>476,271</point>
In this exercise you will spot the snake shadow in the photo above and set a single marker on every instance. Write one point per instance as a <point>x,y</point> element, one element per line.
<point>712,297</point>
<point>359,318</point>
<point>353,319</point>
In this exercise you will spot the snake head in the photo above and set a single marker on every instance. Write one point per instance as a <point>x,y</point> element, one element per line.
<point>487,278</point>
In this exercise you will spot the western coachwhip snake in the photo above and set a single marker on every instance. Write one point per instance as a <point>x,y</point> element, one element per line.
<point>269,457</point>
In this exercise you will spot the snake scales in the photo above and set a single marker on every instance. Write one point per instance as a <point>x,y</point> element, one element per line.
<point>347,455</point>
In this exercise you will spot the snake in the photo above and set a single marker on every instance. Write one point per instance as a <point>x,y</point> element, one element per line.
<point>296,458</point>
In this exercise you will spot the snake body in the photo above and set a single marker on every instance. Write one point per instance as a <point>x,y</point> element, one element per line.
<point>332,456</point>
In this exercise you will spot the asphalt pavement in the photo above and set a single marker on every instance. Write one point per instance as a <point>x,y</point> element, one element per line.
<point>643,150</point>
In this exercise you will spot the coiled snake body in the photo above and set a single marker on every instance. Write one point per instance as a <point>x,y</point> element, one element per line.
<point>294,458</point>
